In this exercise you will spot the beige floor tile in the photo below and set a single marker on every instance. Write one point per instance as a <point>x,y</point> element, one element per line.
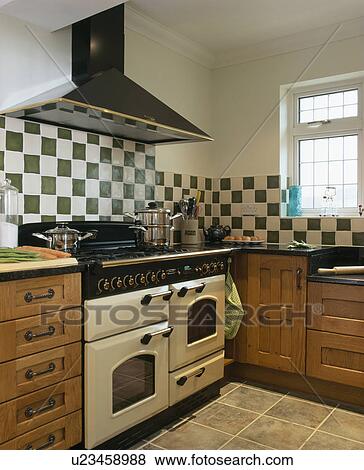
<point>225,418</point>
<point>323,441</point>
<point>300,412</point>
<point>192,436</point>
<point>345,424</point>
<point>228,388</point>
<point>277,434</point>
<point>242,444</point>
<point>250,398</point>
<point>151,446</point>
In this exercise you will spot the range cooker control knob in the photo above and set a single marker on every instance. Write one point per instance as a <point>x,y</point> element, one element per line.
<point>213,267</point>
<point>153,277</point>
<point>221,266</point>
<point>205,268</point>
<point>129,281</point>
<point>140,278</point>
<point>119,283</point>
<point>198,270</point>
<point>161,275</point>
<point>106,284</point>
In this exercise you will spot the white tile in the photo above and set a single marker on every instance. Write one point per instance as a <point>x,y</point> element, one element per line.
<point>225,197</point>
<point>159,193</point>
<point>343,238</point>
<point>31,218</point>
<point>139,160</point>
<point>328,224</point>
<point>168,179</point>
<point>260,182</point>
<point>201,182</point>
<point>249,196</point>
<point>314,237</point>
<point>168,205</point>
<point>15,125</point>
<point>31,183</point>
<point>79,136</point>
<point>149,177</point>
<point>208,197</point>
<point>21,203</point>
<point>117,218</point>
<point>285,236</point>
<point>105,141</point>
<point>225,220</point>
<point>105,206</point>
<point>92,153</point>
<point>64,186</point>
<point>236,183</point>
<point>117,156</point>
<point>49,131</point>
<point>215,210</point>
<point>273,223</point>
<point>185,181</point>
<point>78,205</point>
<point>273,195</point>
<point>14,162</point>
<point>128,205</point>
<point>116,190</point>
<point>129,174</point>
<point>92,188</point>
<point>32,144</point>
<point>64,149</point>
<point>150,150</point>
<point>248,222</point>
<point>64,217</point>
<point>129,146</point>
<point>261,209</point>
<point>78,169</point>
<point>48,204</point>
<point>105,171</point>
<point>177,194</point>
<point>261,234</point>
<point>215,184</point>
<point>299,224</point>
<point>357,224</point>
<point>236,210</point>
<point>92,217</point>
<point>236,232</point>
<point>139,192</point>
<point>2,139</point>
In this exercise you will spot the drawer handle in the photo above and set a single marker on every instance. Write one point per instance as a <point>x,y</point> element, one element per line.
<point>182,380</point>
<point>30,374</point>
<point>30,412</point>
<point>198,289</point>
<point>146,300</point>
<point>165,333</point>
<point>51,440</point>
<point>29,297</point>
<point>29,335</point>
<point>299,273</point>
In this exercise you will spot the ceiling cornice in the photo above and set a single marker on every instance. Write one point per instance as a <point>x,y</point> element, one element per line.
<point>136,21</point>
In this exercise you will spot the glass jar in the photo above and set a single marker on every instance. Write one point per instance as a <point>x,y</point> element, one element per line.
<point>8,215</point>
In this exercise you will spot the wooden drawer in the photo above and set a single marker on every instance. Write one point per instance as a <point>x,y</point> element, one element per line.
<point>36,409</point>
<point>62,434</point>
<point>337,308</point>
<point>34,334</point>
<point>337,358</point>
<point>50,366</point>
<point>29,297</point>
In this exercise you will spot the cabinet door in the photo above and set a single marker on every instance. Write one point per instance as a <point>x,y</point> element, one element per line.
<point>276,303</point>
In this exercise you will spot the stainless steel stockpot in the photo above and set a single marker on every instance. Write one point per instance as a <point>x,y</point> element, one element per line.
<point>64,238</point>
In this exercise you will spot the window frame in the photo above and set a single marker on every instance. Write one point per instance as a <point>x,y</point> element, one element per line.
<point>297,131</point>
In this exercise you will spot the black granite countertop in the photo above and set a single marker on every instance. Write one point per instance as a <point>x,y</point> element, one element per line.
<point>351,279</point>
<point>31,273</point>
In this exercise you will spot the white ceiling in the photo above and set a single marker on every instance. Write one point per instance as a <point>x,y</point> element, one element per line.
<point>226,25</point>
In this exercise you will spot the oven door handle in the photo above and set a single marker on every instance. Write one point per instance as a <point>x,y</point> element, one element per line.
<point>198,373</point>
<point>146,300</point>
<point>198,289</point>
<point>149,336</point>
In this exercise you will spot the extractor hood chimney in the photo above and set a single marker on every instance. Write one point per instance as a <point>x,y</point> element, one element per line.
<point>104,100</point>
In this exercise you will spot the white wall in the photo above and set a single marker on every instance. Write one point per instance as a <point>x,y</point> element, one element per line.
<point>246,97</point>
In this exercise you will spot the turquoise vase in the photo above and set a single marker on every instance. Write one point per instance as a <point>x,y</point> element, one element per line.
<point>295,201</point>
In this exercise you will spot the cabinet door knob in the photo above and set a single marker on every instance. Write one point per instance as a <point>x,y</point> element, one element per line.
<point>299,273</point>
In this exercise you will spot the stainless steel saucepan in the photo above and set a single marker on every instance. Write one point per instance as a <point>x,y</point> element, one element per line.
<point>64,238</point>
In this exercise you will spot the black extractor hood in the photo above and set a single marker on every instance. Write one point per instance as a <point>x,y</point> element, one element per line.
<point>102,99</point>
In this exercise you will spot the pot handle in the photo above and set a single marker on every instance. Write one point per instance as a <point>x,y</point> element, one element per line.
<point>138,227</point>
<point>130,215</point>
<point>91,234</point>
<point>42,237</point>
<point>176,216</point>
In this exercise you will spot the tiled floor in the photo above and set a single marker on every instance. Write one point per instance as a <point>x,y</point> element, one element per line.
<point>246,417</point>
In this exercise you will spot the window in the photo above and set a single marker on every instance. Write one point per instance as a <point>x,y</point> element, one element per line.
<point>324,145</point>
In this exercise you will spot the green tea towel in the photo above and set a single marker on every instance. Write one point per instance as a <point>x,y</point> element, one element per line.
<point>234,311</point>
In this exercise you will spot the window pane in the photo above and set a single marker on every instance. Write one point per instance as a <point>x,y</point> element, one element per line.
<point>321,101</point>
<point>350,171</point>
<point>351,147</point>
<point>351,97</point>
<point>351,110</point>
<point>336,99</point>
<point>306,116</point>
<point>335,173</point>
<point>321,173</point>
<point>350,195</point>
<point>306,151</point>
<point>306,174</point>
<point>307,197</point>
<point>306,103</point>
<point>320,114</point>
<point>336,105</point>
<point>336,148</point>
<point>339,196</point>
<point>319,192</point>
<point>321,150</point>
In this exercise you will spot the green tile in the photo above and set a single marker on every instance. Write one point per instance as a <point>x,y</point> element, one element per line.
<point>92,171</point>
<point>105,189</point>
<point>202,197</point>
<point>49,146</point>
<point>208,210</point>
<point>159,178</point>
<point>328,238</point>
<point>78,187</point>
<point>260,223</point>
<point>64,167</point>
<point>48,218</point>
<point>140,147</point>
<point>273,208</point>
<point>185,192</point>
<point>225,184</point>
<point>237,196</point>
<point>31,164</point>
<point>92,205</point>
<point>105,154</point>
<point>225,209</point>
<point>248,182</point>
<point>201,222</point>
<point>129,159</point>
<point>300,236</point>
<point>358,238</point>
<point>2,122</point>
<point>117,207</point>
<point>272,236</point>
<point>79,218</point>
<point>314,224</point>
<point>139,205</point>
<point>139,175</point>
<point>93,139</point>
<point>168,194</point>
<point>273,182</point>
<point>177,180</point>
<point>31,127</point>
<point>16,180</point>
<point>260,195</point>
<point>64,133</point>
<point>286,224</point>
<point>149,162</point>
<point>248,233</point>
<point>117,173</point>
<point>343,224</point>
<point>215,221</point>
<point>79,151</point>
<point>215,197</point>
<point>49,185</point>
<point>193,182</point>
<point>63,205</point>
<point>128,191</point>
<point>31,204</point>
<point>284,195</point>
<point>2,160</point>
<point>208,184</point>
<point>149,192</point>
<point>14,141</point>
<point>237,223</point>
<point>117,143</point>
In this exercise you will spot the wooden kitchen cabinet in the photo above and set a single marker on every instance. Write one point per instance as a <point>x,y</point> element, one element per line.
<point>276,296</point>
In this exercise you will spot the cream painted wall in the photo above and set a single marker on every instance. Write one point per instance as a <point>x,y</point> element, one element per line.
<point>246,97</point>
<point>182,84</point>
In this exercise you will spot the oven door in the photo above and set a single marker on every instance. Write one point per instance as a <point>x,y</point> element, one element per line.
<point>196,312</point>
<point>126,381</point>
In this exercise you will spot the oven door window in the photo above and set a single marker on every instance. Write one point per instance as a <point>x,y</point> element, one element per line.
<point>133,381</point>
<point>201,320</point>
